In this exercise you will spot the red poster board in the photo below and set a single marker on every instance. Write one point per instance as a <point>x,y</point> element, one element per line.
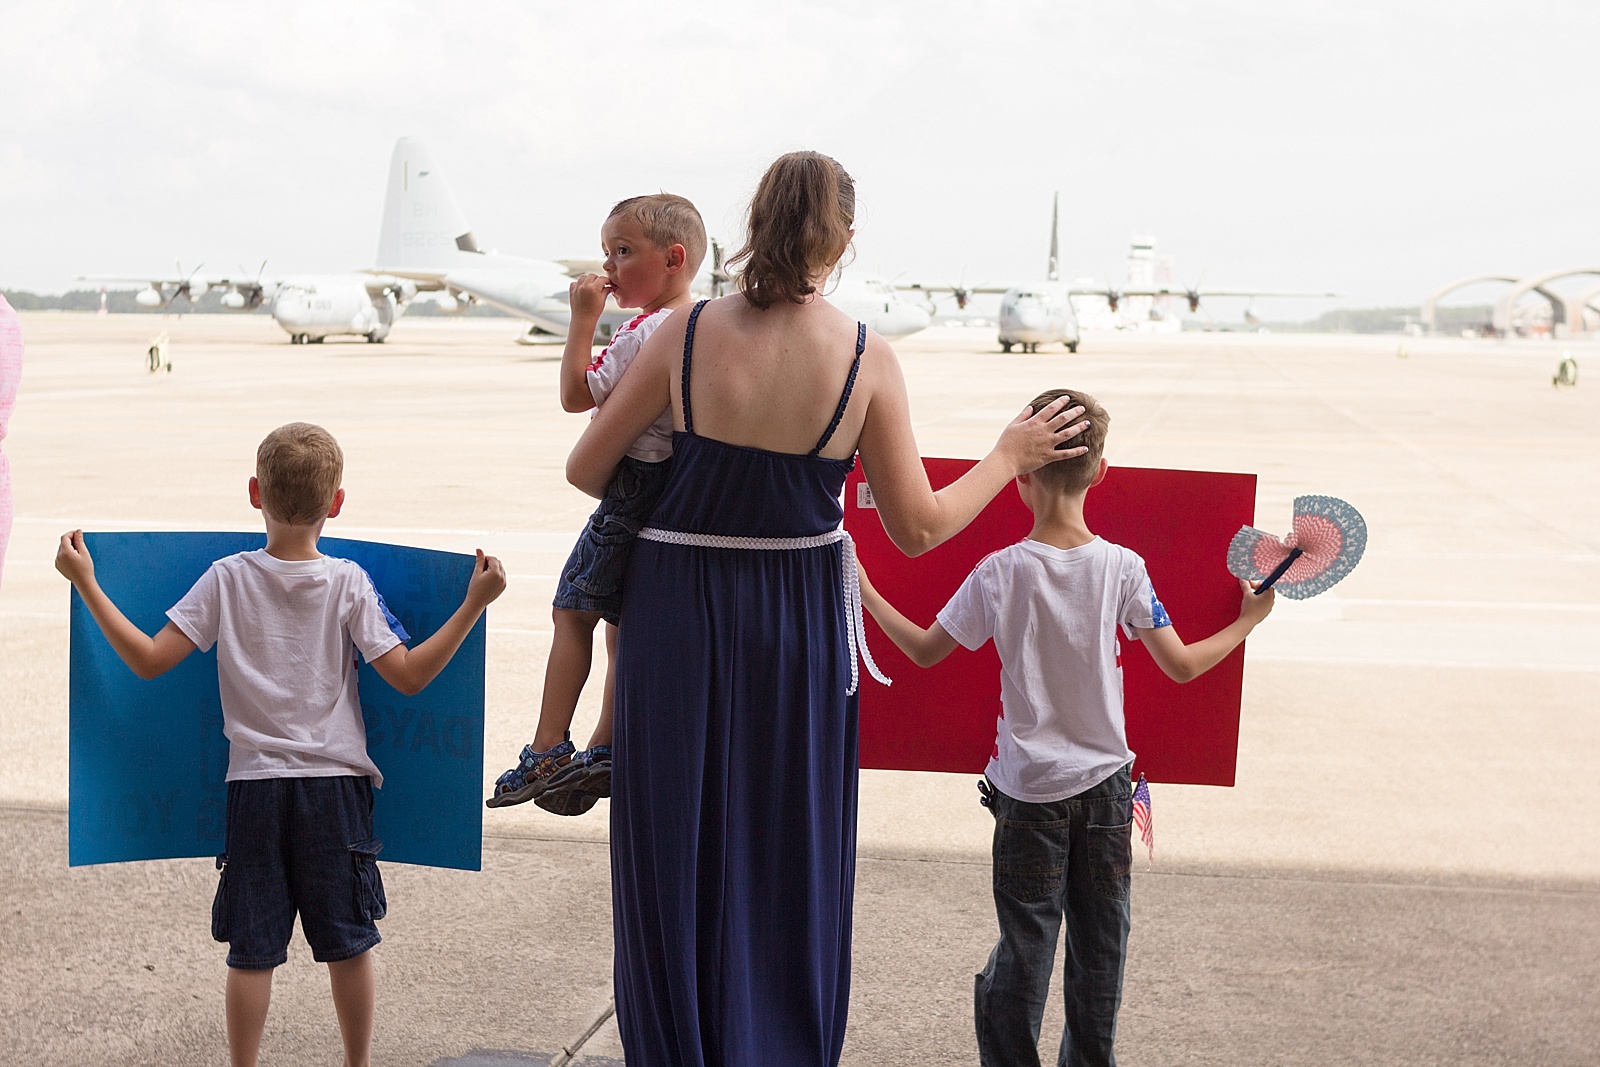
<point>943,718</point>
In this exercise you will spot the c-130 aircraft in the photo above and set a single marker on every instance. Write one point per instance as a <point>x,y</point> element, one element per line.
<point>1038,313</point>
<point>425,244</point>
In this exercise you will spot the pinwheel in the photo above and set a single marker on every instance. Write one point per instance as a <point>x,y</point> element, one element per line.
<point>1328,539</point>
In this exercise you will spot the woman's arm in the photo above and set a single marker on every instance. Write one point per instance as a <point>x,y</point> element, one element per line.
<point>642,394</point>
<point>917,518</point>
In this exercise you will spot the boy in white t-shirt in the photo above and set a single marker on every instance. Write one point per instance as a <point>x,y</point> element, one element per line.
<point>286,621</point>
<point>653,247</point>
<point>1058,781</point>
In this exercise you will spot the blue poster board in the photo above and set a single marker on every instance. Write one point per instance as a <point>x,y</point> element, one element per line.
<point>147,759</point>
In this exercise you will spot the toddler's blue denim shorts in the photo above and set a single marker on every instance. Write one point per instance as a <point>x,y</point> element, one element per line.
<point>592,578</point>
<point>298,845</point>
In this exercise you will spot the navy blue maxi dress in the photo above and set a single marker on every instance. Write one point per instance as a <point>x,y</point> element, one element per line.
<point>733,812</point>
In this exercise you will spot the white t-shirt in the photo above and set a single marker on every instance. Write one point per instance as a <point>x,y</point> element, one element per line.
<point>655,444</point>
<point>285,632</point>
<point>1053,615</point>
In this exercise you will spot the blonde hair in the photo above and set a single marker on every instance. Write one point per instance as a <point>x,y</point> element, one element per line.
<point>1074,475</point>
<point>298,468</point>
<point>798,227</point>
<point>667,220</point>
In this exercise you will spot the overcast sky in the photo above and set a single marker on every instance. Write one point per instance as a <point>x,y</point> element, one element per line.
<point>1376,148</point>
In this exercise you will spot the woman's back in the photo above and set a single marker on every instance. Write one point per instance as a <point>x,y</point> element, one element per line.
<point>772,378</point>
<point>763,448</point>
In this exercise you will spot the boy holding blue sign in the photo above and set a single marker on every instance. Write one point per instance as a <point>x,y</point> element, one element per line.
<point>286,621</point>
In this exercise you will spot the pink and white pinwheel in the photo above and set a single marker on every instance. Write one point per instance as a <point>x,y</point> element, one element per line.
<point>1328,539</point>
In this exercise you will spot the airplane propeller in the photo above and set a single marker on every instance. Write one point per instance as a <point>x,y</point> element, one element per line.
<point>193,287</point>
<point>1192,294</point>
<point>1113,295</point>
<point>960,291</point>
<point>246,296</point>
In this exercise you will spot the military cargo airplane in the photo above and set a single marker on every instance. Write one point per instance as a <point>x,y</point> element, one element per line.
<point>310,307</point>
<point>426,239</point>
<point>1047,312</point>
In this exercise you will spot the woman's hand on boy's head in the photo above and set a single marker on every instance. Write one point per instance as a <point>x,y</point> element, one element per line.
<point>1034,439</point>
<point>73,560</point>
<point>488,580</point>
<point>587,296</point>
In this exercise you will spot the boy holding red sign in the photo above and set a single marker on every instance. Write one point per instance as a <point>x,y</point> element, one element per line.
<point>1058,781</point>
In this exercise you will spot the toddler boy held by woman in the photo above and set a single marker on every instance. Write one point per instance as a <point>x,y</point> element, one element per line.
<point>653,246</point>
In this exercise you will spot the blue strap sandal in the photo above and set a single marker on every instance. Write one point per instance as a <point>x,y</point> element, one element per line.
<point>534,773</point>
<point>576,787</point>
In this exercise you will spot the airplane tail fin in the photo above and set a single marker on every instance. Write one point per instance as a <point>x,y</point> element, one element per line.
<point>424,228</point>
<point>1054,271</point>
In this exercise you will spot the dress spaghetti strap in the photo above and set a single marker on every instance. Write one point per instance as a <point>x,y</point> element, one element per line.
<point>688,352</point>
<point>849,384</point>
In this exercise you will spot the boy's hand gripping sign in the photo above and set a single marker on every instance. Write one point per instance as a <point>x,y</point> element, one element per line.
<point>943,718</point>
<point>147,759</point>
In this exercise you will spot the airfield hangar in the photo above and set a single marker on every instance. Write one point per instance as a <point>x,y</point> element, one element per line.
<point>1572,310</point>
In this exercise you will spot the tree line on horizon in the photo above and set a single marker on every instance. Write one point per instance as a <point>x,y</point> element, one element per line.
<point>1448,320</point>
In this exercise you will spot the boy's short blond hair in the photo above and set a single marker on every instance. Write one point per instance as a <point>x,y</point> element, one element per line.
<point>298,469</point>
<point>667,220</point>
<point>1074,475</point>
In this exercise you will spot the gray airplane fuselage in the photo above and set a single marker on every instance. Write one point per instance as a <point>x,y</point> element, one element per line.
<point>1034,315</point>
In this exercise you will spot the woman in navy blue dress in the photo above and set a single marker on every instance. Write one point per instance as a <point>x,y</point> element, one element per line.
<point>733,809</point>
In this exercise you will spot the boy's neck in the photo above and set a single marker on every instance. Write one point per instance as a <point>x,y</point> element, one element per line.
<point>1058,521</point>
<point>292,543</point>
<point>675,297</point>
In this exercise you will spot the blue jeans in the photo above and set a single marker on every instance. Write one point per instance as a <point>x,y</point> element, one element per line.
<point>592,577</point>
<point>1069,859</point>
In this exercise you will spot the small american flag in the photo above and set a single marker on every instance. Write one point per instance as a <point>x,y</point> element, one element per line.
<point>1141,817</point>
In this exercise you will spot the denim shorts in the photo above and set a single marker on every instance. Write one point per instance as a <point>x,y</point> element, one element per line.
<point>298,845</point>
<point>592,578</point>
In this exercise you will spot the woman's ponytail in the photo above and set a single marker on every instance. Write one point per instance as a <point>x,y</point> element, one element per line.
<point>798,227</point>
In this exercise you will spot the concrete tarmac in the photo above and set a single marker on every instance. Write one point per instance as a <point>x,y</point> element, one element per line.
<point>1408,870</point>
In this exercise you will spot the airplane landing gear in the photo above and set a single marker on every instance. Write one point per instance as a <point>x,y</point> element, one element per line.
<point>1072,346</point>
<point>374,339</point>
<point>297,338</point>
<point>1005,346</point>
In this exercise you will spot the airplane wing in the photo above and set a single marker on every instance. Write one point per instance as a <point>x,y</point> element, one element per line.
<point>158,282</point>
<point>576,267</point>
<point>1183,292</point>
<point>960,290</point>
<point>242,293</point>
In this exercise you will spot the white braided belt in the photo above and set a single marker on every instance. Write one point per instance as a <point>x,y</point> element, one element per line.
<point>855,624</point>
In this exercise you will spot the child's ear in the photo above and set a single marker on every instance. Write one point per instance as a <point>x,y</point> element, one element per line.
<point>677,258</point>
<point>1100,475</point>
<point>255,493</point>
<point>338,502</point>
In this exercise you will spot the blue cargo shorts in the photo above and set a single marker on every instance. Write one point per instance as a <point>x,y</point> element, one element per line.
<point>298,846</point>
